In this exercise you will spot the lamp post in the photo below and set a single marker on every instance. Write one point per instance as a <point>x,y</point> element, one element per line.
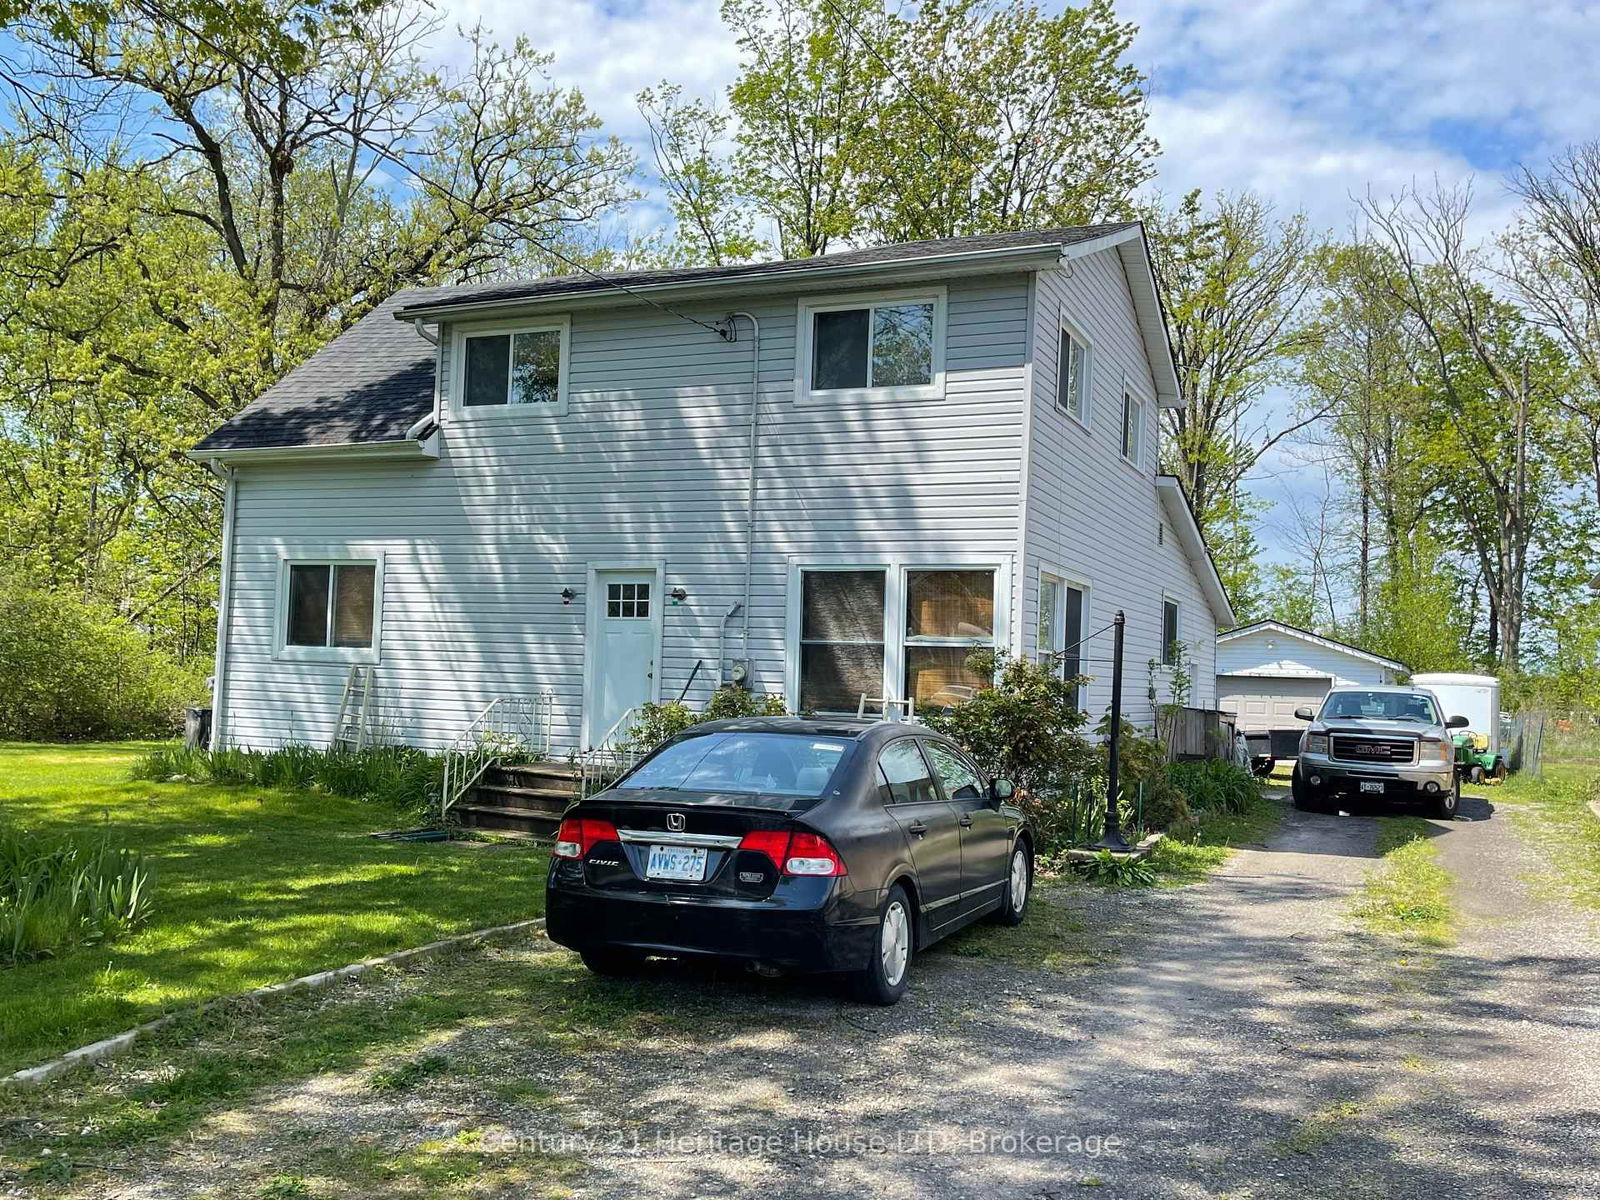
<point>1113,839</point>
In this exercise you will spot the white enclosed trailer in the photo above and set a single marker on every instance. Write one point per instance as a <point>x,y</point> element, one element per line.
<point>1475,697</point>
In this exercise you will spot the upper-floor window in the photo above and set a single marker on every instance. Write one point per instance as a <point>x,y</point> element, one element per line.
<point>520,369</point>
<point>1072,373</point>
<point>1171,636</point>
<point>1132,427</point>
<point>329,608</point>
<point>880,347</point>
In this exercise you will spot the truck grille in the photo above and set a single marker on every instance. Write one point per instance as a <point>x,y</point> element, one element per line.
<point>1374,749</point>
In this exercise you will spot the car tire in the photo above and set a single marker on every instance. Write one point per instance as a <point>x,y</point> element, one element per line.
<point>612,961</point>
<point>1019,887</point>
<point>1300,792</point>
<point>1448,803</point>
<point>1499,775</point>
<point>888,971</point>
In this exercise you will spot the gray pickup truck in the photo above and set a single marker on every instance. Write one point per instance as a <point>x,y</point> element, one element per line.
<point>1377,743</point>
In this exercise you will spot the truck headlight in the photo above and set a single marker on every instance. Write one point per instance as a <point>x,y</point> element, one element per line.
<point>1316,743</point>
<point>1435,752</point>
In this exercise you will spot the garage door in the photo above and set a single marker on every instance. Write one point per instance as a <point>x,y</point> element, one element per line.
<point>1268,703</point>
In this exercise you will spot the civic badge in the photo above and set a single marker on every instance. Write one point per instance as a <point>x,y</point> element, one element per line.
<point>675,822</point>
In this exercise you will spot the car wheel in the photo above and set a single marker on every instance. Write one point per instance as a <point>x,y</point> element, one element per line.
<point>1300,792</point>
<point>1019,887</point>
<point>1448,803</point>
<point>611,960</point>
<point>888,971</point>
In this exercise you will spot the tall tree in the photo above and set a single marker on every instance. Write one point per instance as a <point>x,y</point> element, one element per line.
<point>714,224</point>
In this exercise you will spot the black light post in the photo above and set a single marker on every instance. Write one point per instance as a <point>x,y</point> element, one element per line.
<point>1113,839</point>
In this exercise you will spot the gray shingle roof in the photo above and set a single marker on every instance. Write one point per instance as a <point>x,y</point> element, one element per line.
<point>375,380</point>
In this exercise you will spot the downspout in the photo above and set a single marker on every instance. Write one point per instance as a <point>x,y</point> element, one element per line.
<point>722,643</point>
<point>753,489</point>
<point>219,669</point>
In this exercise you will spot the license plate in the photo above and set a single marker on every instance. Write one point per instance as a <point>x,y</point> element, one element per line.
<point>1372,785</point>
<point>676,862</point>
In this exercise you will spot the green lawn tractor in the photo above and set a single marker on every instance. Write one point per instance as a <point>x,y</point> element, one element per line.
<point>1475,762</point>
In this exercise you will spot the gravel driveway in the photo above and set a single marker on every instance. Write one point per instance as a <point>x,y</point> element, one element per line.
<point>1239,1038</point>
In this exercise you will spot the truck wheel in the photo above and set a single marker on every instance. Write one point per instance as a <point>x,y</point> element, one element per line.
<point>1300,792</point>
<point>1448,803</point>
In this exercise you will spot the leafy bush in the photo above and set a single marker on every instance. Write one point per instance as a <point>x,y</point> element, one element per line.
<point>1106,868</point>
<point>1024,728</point>
<point>71,670</point>
<point>658,722</point>
<point>1214,785</point>
<point>64,892</point>
<point>403,777</point>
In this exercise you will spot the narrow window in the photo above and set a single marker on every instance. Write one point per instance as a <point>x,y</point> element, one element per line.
<point>889,345</point>
<point>331,605</point>
<point>512,368</point>
<point>1072,659</point>
<point>1072,376</point>
<point>1132,426</point>
<point>841,639</point>
<point>1169,632</point>
<point>949,613</point>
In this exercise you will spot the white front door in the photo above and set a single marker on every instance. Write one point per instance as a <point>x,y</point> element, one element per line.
<point>624,646</point>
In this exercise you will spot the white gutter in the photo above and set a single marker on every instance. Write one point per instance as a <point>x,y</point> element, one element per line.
<point>219,669</point>
<point>403,447</point>
<point>1044,254</point>
<point>754,485</point>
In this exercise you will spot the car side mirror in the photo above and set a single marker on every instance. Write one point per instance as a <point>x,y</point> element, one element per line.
<point>1001,790</point>
<point>1305,714</point>
<point>1457,722</point>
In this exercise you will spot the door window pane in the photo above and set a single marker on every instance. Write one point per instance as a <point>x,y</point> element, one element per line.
<point>839,350</point>
<point>488,367</point>
<point>536,367</point>
<point>352,605</point>
<point>308,605</point>
<point>627,600</point>
<point>950,604</point>
<point>960,781</point>
<point>902,345</point>
<point>906,773</point>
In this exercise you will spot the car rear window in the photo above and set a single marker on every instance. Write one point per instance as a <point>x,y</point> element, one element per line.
<point>752,764</point>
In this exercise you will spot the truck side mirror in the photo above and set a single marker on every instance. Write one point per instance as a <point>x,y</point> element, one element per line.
<point>1457,722</point>
<point>1304,713</point>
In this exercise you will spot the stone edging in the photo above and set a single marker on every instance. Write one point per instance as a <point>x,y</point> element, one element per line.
<point>1134,853</point>
<point>117,1043</point>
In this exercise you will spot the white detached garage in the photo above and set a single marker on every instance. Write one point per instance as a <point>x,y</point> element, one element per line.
<point>1268,669</point>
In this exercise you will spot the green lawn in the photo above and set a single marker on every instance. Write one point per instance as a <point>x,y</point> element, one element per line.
<point>1554,813</point>
<point>252,887</point>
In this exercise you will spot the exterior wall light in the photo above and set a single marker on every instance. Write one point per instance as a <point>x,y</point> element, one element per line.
<point>568,595</point>
<point>678,595</point>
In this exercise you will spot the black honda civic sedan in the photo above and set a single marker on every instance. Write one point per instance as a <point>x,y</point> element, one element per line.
<point>793,845</point>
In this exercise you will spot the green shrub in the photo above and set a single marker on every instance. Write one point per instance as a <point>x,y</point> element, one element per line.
<point>655,723</point>
<point>1106,868</point>
<point>71,670</point>
<point>57,893</point>
<point>1214,785</point>
<point>403,777</point>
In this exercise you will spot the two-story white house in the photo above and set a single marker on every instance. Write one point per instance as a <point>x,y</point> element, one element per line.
<point>827,478</point>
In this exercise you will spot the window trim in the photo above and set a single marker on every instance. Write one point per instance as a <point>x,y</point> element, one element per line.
<point>462,333</point>
<point>1086,389</point>
<point>809,306</point>
<point>1133,405</point>
<point>283,651</point>
<point>1161,629</point>
<point>895,568</point>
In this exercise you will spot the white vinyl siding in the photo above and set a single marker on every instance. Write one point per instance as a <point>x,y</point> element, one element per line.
<point>651,464</point>
<point>1089,511</point>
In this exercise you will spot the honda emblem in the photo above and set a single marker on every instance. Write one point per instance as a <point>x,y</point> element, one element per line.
<point>675,822</point>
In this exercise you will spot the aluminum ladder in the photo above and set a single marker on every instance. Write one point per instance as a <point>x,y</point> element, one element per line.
<point>355,707</point>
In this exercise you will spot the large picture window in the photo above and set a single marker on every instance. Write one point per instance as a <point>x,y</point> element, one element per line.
<point>509,371</point>
<point>896,632</point>
<point>330,606</point>
<point>879,347</point>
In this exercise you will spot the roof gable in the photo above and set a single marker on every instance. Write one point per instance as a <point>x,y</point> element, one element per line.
<point>1314,639</point>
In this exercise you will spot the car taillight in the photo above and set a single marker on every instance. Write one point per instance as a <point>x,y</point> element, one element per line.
<point>799,853</point>
<point>578,835</point>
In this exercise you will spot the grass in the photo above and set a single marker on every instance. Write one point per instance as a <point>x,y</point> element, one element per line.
<point>1553,812</point>
<point>1408,896</point>
<point>1191,857</point>
<point>253,886</point>
<point>1054,935</point>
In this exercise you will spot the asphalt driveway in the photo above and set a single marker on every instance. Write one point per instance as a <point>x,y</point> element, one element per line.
<point>1243,1037</point>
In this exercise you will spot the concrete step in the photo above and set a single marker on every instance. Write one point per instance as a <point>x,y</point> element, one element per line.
<point>545,800</point>
<point>508,820</point>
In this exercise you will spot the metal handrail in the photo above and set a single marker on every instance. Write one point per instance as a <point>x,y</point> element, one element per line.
<point>506,727</point>
<point>608,757</point>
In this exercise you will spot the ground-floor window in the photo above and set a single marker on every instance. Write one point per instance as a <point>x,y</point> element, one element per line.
<point>1063,608</point>
<point>893,631</point>
<point>329,606</point>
